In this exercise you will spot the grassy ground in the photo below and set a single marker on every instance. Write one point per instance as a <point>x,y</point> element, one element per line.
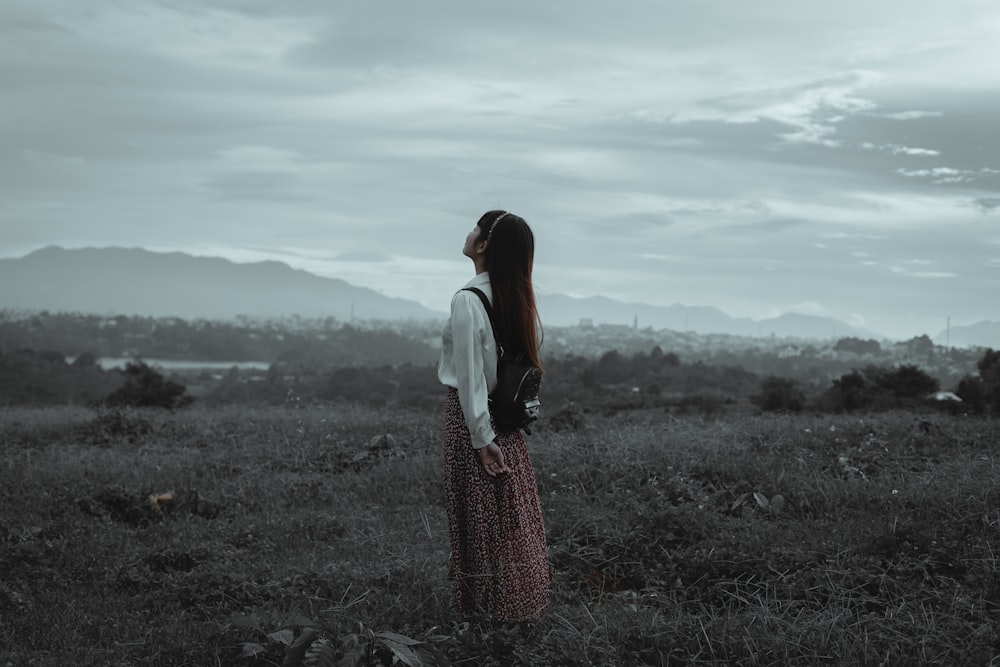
<point>751,540</point>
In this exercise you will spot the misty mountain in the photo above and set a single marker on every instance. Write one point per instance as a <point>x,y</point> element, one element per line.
<point>980,334</point>
<point>132,281</point>
<point>558,310</point>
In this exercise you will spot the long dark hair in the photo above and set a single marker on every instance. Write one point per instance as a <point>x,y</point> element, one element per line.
<point>510,255</point>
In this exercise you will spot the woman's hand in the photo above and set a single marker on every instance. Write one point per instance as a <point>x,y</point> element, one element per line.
<point>491,457</point>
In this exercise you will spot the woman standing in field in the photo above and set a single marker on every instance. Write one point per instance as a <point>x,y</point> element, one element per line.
<point>499,563</point>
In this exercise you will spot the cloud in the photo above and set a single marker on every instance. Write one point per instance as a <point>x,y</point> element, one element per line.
<point>261,173</point>
<point>753,228</point>
<point>660,257</point>
<point>363,257</point>
<point>986,205</point>
<point>681,142</point>
<point>276,186</point>
<point>808,308</point>
<point>935,275</point>
<point>943,175</point>
<point>741,152</point>
<point>853,235</point>
<point>41,158</point>
<point>809,110</point>
<point>910,115</point>
<point>894,149</point>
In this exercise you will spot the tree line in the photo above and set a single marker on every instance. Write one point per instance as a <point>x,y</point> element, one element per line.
<point>293,340</point>
<point>611,383</point>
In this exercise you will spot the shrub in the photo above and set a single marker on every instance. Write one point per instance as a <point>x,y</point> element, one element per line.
<point>857,346</point>
<point>970,390</point>
<point>906,382</point>
<point>115,424</point>
<point>989,374</point>
<point>145,387</point>
<point>848,392</point>
<point>878,388</point>
<point>780,394</point>
<point>569,417</point>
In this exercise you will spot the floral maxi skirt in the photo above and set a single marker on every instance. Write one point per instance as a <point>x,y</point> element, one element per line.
<point>499,562</point>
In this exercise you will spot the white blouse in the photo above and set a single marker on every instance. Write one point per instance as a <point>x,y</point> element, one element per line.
<point>469,358</point>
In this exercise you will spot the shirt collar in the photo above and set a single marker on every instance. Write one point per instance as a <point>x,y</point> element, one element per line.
<point>480,280</point>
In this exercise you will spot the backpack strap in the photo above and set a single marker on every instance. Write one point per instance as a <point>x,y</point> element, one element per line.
<point>489,313</point>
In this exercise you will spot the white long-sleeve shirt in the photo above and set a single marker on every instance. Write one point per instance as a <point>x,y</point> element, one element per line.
<point>469,358</point>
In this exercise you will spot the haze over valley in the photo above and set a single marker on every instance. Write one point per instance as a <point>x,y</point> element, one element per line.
<point>139,282</point>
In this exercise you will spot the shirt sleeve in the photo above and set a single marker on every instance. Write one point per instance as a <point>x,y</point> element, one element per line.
<point>473,394</point>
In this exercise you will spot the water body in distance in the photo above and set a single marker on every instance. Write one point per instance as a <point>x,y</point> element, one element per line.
<point>108,363</point>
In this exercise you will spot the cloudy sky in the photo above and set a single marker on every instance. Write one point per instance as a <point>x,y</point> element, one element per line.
<point>840,158</point>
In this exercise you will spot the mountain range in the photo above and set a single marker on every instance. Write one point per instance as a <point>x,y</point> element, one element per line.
<point>980,334</point>
<point>133,281</point>
<point>564,310</point>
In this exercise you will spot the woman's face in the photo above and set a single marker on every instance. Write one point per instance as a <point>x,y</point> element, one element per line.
<point>470,243</point>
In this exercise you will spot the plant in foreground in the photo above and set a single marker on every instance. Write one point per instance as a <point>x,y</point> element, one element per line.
<point>363,647</point>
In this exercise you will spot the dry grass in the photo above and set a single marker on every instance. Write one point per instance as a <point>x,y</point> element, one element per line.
<point>667,540</point>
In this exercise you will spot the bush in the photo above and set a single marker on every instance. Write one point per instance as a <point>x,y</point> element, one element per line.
<point>145,387</point>
<point>906,382</point>
<point>780,394</point>
<point>569,417</point>
<point>878,388</point>
<point>857,346</point>
<point>43,377</point>
<point>970,390</point>
<point>115,424</point>
<point>989,375</point>
<point>848,392</point>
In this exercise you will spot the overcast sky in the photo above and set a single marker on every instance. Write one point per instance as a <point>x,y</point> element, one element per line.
<point>840,159</point>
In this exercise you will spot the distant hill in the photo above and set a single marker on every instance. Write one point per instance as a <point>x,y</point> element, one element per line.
<point>132,281</point>
<point>980,334</point>
<point>558,310</point>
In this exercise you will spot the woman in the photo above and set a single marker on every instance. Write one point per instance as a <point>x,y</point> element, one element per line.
<point>499,564</point>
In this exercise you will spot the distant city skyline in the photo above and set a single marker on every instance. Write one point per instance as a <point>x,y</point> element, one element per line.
<point>770,157</point>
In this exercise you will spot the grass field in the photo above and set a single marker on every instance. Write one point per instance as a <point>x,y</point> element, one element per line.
<point>743,540</point>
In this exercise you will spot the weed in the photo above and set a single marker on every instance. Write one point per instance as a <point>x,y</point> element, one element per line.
<point>300,644</point>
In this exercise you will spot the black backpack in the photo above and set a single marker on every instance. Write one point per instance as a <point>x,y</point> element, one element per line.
<point>514,404</point>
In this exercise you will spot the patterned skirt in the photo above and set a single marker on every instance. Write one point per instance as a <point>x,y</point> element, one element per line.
<point>499,562</point>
